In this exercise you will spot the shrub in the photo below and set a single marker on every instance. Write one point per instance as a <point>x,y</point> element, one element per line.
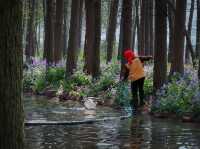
<point>123,94</point>
<point>177,96</point>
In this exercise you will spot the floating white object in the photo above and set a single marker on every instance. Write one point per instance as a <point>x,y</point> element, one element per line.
<point>90,104</point>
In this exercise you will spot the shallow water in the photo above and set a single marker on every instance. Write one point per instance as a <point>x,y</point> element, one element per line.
<point>141,132</point>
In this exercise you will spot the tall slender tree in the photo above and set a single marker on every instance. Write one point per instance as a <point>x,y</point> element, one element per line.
<point>189,31</point>
<point>141,49</point>
<point>112,28</point>
<point>151,27</point>
<point>66,25</point>
<point>170,13</point>
<point>121,32</point>
<point>127,24</point>
<point>198,30</point>
<point>58,30</point>
<point>160,53</point>
<point>92,37</point>
<point>179,37</point>
<point>30,38</point>
<point>73,38</point>
<point>49,32</point>
<point>11,59</point>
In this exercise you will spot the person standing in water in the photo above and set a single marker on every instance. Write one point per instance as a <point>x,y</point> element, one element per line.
<point>135,73</point>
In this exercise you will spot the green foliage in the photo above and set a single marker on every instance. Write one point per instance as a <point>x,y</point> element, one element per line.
<point>39,83</point>
<point>106,81</point>
<point>55,74</point>
<point>176,96</point>
<point>123,94</point>
<point>81,78</point>
<point>148,86</point>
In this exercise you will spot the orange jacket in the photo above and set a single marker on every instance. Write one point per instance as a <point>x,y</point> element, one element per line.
<point>136,70</point>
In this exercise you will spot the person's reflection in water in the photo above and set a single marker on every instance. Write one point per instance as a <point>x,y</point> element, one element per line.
<point>137,133</point>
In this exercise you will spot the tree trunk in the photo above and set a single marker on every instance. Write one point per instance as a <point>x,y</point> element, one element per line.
<point>11,59</point>
<point>97,40</point>
<point>138,24</point>
<point>146,26</point>
<point>179,37</point>
<point>141,50</point>
<point>73,38</point>
<point>134,23</point>
<point>171,30</point>
<point>112,28</point>
<point>119,56</point>
<point>49,32</point>
<point>189,30</point>
<point>66,26</point>
<point>58,31</point>
<point>160,53</point>
<point>127,24</point>
<point>151,27</point>
<point>198,30</point>
<point>92,37</point>
<point>80,29</point>
<point>30,38</point>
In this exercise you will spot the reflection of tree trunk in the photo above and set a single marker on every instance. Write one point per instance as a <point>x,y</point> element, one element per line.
<point>160,54</point>
<point>179,37</point>
<point>11,59</point>
<point>127,24</point>
<point>187,57</point>
<point>112,28</point>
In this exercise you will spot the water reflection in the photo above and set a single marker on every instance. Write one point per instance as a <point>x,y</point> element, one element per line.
<point>141,132</point>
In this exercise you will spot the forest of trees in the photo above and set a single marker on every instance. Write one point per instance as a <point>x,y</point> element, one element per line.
<point>62,31</point>
<point>53,18</point>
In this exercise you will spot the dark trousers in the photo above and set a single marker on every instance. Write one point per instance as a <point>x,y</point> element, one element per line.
<point>135,87</point>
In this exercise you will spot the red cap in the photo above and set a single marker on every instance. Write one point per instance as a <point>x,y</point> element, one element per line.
<point>129,55</point>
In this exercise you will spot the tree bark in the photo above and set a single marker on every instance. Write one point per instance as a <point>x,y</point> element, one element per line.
<point>92,37</point>
<point>119,56</point>
<point>97,40</point>
<point>73,38</point>
<point>112,29</point>
<point>49,32</point>
<point>31,36</point>
<point>146,26</point>
<point>160,53</point>
<point>179,37</point>
<point>198,30</point>
<point>151,28</point>
<point>134,23</point>
<point>189,30</point>
<point>58,30</point>
<point>66,26</point>
<point>11,59</point>
<point>127,24</point>
<point>171,29</point>
<point>141,50</point>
